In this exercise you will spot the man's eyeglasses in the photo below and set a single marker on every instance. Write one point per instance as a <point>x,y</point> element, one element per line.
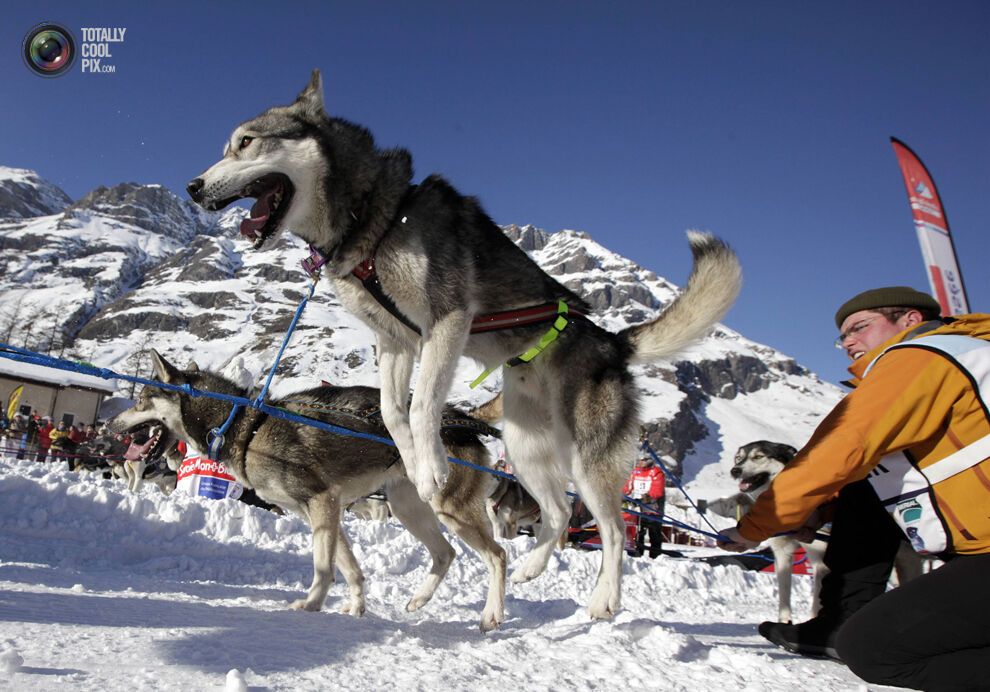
<point>854,330</point>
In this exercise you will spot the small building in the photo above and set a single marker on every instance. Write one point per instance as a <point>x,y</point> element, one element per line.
<point>63,395</point>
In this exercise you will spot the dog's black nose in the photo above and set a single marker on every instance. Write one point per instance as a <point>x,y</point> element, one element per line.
<point>735,472</point>
<point>195,188</point>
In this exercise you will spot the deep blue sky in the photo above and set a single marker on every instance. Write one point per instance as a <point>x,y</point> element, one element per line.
<point>764,122</point>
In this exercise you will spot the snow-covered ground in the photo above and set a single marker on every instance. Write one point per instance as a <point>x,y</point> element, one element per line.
<point>105,590</point>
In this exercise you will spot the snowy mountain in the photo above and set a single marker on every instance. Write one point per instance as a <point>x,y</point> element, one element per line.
<point>23,194</point>
<point>133,267</point>
<point>59,269</point>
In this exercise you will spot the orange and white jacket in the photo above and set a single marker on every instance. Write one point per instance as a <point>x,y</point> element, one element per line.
<point>913,403</point>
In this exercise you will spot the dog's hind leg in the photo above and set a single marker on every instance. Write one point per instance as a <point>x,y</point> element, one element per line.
<point>600,421</point>
<point>478,535</point>
<point>600,488</point>
<point>532,453</point>
<point>783,564</point>
<point>323,513</point>
<point>442,346</point>
<point>353,575</point>
<point>421,522</point>
<point>816,556</point>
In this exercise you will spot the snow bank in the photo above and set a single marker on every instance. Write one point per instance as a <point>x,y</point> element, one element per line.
<point>101,589</point>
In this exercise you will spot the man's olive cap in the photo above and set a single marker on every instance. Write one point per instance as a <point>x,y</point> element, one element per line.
<point>887,297</point>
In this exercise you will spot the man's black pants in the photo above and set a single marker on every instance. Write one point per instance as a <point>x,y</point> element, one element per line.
<point>932,633</point>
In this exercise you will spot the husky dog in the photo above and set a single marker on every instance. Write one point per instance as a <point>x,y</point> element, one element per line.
<point>435,278</point>
<point>316,473</point>
<point>756,465</point>
<point>511,507</point>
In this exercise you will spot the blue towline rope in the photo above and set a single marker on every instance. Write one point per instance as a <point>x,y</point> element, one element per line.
<point>215,438</point>
<point>23,356</point>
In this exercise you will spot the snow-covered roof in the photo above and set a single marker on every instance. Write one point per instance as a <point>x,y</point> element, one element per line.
<point>38,373</point>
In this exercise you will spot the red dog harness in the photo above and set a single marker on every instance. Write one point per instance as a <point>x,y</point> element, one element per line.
<point>366,273</point>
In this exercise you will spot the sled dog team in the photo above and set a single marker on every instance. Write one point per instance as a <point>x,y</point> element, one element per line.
<point>433,276</point>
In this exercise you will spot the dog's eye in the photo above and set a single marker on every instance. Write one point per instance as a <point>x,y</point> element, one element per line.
<point>245,141</point>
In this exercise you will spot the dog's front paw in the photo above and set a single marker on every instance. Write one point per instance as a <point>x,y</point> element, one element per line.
<point>491,621</point>
<point>530,569</point>
<point>426,488</point>
<point>429,481</point>
<point>304,604</point>
<point>417,602</point>
<point>603,605</point>
<point>354,607</point>
<point>598,613</point>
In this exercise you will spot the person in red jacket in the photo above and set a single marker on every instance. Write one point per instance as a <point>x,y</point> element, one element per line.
<point>44,441</point>
<point>647,485</point>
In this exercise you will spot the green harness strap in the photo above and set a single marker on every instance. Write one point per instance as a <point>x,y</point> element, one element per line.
<point>548,338</point>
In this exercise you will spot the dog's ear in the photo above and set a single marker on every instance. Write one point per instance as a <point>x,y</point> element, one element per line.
<point>192,367</point>
<point>786,452</point>
<point>311,98</point>
<point>165,371</point>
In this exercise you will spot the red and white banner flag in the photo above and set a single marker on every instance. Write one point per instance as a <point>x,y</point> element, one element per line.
<point>933,232</point>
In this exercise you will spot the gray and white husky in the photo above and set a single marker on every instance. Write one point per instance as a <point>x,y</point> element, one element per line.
<point>431,273</point>
<point>755,466</point>
<point>315,474</point>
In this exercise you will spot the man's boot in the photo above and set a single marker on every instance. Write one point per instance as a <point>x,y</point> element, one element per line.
<point>815,638</point>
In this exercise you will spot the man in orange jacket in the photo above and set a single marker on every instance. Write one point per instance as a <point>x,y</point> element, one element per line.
<point>906,456</point>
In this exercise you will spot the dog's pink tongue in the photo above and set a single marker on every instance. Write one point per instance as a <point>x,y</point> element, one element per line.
<point>135,451</point>
<point>252,225</point>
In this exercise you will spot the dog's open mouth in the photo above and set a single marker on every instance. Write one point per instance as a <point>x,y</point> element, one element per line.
<point>753,482</point>
<point>273,195</point>
<point>148,441</point>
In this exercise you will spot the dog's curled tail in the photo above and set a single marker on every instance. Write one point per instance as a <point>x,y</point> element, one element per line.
<point>711,290</point>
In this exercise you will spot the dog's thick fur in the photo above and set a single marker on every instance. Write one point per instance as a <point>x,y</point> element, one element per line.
<point>570,412</point>
<point>315,473</point>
